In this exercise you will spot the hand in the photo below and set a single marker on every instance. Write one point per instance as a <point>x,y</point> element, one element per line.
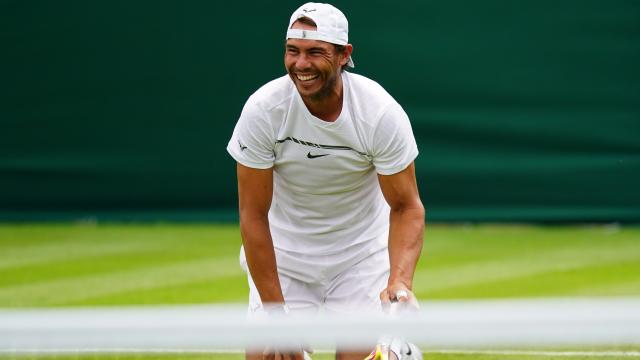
<point>398,293</point>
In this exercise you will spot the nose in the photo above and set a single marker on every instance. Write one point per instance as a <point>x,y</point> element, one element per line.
<point>302,61</point>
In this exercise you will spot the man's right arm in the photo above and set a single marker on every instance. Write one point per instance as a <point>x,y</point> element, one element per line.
<point>255,190</point>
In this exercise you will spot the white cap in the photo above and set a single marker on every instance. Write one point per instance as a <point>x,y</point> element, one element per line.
<point>331,25</point>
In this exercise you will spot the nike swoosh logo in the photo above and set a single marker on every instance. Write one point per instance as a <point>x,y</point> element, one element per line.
<point>311,156</point>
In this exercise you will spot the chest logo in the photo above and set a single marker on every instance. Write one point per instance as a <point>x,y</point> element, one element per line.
<point>312,156</point>
<point>320,146</point>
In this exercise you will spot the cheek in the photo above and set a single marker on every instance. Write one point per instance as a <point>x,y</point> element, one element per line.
<point>288,63</point>
<point>330,69</point>
<point>333,61</point>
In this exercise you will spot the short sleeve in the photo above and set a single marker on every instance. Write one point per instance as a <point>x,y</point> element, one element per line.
<point>394,146</point>
<point>252,142</point>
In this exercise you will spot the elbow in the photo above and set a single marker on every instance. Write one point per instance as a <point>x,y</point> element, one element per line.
<point>421,210</point>
<point>252,216</point>
<point>415,209</point>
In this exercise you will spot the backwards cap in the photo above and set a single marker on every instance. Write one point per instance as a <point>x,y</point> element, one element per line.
<point>331,25</point>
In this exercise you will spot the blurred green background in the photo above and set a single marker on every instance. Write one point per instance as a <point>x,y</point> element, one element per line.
<point>53,265</point>
<point>121,110</point>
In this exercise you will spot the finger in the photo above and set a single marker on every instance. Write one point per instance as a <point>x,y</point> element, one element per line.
<point>406,303</point>
<point>402,295</point>
<point>384,296</point>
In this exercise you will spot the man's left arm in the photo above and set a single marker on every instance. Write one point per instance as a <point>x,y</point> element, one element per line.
<point>406,231</point>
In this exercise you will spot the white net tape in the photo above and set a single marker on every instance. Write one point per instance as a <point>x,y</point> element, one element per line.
<point>439,325</point>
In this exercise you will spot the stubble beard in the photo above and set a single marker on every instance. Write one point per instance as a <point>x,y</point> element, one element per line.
<point>326,90</point>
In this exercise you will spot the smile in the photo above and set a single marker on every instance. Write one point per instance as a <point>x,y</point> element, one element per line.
<point>306,77</point>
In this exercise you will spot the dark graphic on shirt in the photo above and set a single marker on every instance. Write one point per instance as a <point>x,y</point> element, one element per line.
<point>313,156</point>
<point>320,146</point>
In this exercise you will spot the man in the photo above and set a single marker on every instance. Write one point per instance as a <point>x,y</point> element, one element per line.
<point>330,214</point>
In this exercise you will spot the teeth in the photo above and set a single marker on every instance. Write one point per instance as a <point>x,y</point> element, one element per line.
<point>307,77</point>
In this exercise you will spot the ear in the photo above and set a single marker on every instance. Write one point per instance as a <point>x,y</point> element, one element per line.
<point>348,50</point>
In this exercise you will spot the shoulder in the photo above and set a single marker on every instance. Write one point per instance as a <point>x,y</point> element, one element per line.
<point>370,101</point>
<point>272,94</point>
<point>364,85</point>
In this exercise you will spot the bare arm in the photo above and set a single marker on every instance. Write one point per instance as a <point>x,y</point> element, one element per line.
<point>255,189</point>
<point>406,230</point>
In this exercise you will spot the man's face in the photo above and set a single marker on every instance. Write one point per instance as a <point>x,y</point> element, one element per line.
<point>313,65</point>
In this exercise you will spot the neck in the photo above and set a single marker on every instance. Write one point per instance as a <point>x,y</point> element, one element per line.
<point>329,106</point>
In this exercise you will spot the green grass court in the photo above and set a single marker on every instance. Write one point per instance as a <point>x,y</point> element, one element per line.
<point>66,265</point>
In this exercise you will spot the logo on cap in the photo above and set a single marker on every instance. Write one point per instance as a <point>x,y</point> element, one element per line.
<point>308,11</point>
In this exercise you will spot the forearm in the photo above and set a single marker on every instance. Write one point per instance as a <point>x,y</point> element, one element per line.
<point>405,243</point>
<point>260,255</point>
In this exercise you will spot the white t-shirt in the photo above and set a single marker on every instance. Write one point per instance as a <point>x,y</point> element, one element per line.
<point>327,211</point>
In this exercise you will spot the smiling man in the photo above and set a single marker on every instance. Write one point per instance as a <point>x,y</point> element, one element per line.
<point>330,214</point>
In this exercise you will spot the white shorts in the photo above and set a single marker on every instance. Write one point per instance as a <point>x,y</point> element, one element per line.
<point>355,289</point>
